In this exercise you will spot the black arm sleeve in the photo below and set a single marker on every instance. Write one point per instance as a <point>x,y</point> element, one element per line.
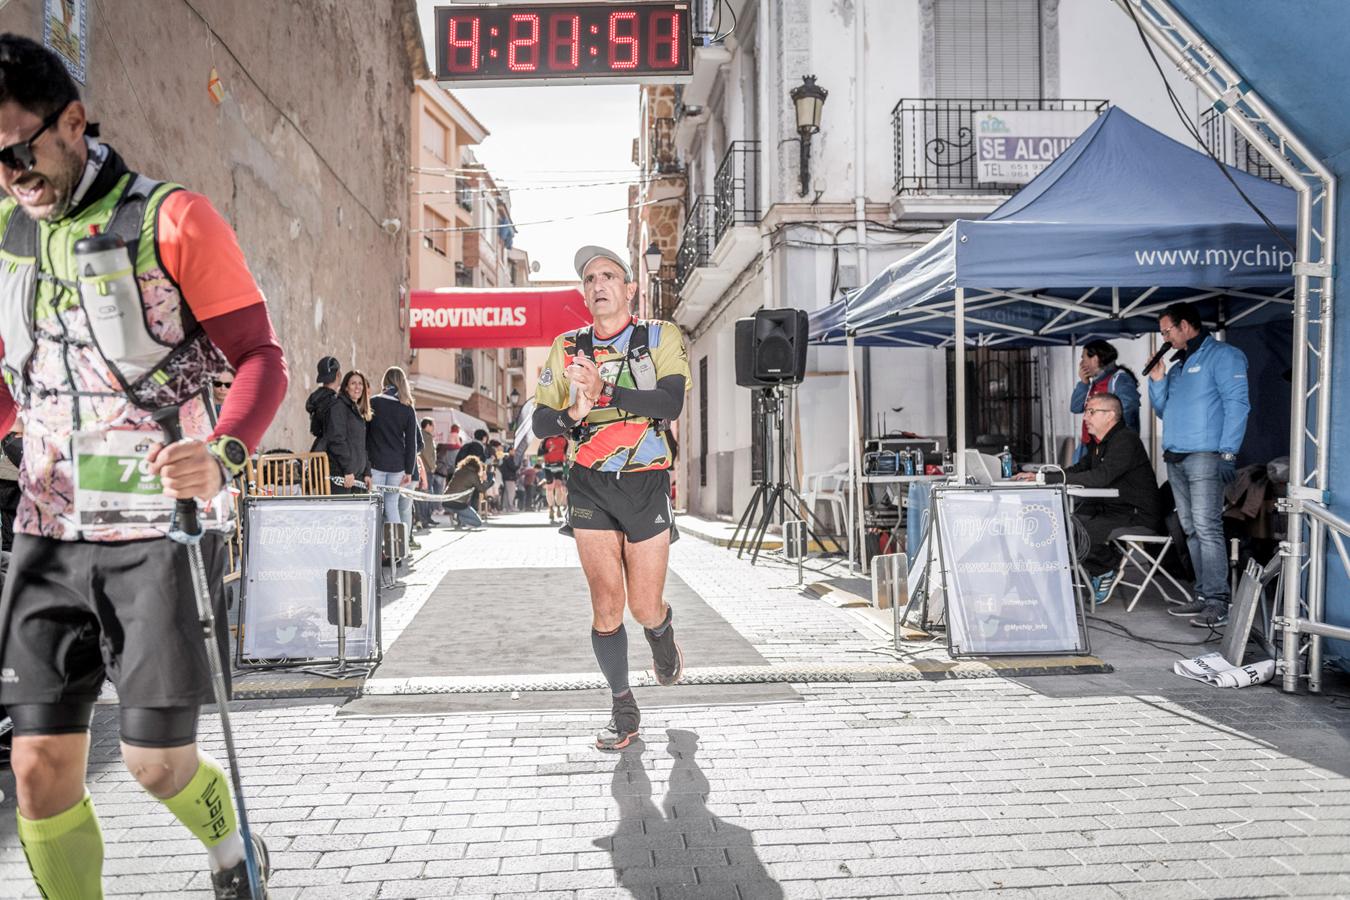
<point>664,402</point>
<point>547,421</point>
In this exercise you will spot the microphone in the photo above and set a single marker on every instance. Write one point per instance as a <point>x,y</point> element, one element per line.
<point>1156,357</point>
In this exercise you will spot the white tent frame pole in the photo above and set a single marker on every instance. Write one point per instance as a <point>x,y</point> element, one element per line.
<point>854,505</point>
<point>960,386</point>
<point>1255,120</point>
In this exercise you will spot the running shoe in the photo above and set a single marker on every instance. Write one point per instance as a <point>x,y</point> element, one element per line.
<point>667,657</point>
<point>1214,616</point>
<point>623,725</point>
<point>1187,610</point>
<point>232,884</point>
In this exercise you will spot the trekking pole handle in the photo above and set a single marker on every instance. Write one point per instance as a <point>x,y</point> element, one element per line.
<point>185,508</point>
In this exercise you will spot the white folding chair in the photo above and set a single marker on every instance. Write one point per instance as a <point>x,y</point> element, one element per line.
<point>830,488</point>
<point>1144,551</point>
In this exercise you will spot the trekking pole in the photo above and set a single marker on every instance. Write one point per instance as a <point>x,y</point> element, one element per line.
<point>186,529</point>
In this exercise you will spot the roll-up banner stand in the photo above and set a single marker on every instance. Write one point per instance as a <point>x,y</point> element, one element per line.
<point>310,566</point>
<point>1005,559</point>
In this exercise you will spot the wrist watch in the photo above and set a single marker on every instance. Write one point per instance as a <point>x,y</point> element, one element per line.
<point>231,453</point>
<point>1228,457</point>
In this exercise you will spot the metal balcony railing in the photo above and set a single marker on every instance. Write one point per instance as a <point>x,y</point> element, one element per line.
<point>1231,147</point>
<point>935,142</point>
<point>515,357</point>
<point>464,193</point>
<point>661,147</point>
<point>736,188</point>
<point>665,294</point>
<point>696,242</point>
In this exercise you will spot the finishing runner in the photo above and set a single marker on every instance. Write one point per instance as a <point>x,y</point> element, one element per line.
<point>554,448</point>
<point>95,588</point>
<point>615,394</point>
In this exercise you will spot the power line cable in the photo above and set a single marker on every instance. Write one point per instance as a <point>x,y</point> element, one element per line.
<point>518,225</point>
<point>1195,132</point>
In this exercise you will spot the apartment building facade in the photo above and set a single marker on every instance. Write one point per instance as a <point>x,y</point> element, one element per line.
<point>464,239</point>
<point>772,217</point>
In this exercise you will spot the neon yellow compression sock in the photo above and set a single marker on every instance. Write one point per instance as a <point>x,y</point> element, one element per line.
<point>65,852</point>
<point>205,807</point>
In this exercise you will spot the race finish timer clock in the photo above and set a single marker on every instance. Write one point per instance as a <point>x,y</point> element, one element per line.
<point>542,42</point>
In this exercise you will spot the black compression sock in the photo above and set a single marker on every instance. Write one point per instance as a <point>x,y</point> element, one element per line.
<point>611,651</point>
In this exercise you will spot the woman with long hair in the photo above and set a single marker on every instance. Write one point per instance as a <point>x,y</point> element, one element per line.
<point>1100,373</point>
<point>348,418</point>
<point>392,441</point>
<point>468,477</point>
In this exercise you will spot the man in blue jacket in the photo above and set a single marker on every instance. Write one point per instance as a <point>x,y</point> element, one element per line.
<point>1202,400</point>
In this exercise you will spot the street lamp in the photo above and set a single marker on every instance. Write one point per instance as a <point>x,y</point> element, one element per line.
<point>808,98</point>
<point>514,399</point>
<point>652,256</point>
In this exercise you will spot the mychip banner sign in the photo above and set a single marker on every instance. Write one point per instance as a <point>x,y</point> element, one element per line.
<point>1014,146</point>
<point>296,550</point>
<point>1006,567</point>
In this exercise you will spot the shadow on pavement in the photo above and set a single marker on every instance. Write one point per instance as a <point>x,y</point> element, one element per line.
<point>680,849</point>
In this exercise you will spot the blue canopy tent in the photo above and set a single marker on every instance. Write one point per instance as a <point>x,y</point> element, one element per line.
<point>1123,222</point>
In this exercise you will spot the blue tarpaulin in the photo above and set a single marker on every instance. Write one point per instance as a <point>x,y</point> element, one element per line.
<point>1125,221</point>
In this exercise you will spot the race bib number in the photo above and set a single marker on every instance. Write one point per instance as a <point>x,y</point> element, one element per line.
<point>113,484</point>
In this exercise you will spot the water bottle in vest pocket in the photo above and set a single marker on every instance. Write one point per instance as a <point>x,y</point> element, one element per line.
<point>112,304</point>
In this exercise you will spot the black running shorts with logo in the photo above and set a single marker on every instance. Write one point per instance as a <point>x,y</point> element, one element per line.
<point>636,503</point>
<point>75,611</point>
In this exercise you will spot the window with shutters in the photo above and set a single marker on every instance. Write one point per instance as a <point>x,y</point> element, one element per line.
<point>437,237</point>
<point>987,48</point>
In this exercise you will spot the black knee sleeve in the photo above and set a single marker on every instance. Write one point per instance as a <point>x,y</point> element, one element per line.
<point>37,719</point>
<point>169,726</point>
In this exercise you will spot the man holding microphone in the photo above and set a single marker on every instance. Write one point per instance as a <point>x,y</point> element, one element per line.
<point>1202,400</point>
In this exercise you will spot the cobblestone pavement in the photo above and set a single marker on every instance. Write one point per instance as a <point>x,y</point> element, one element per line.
<point>1135,784</point>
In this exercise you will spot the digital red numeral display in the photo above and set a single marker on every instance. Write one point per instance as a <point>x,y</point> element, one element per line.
<point>591,40</point>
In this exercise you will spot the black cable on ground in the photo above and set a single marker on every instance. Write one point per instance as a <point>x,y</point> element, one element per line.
<point>1154,642</point>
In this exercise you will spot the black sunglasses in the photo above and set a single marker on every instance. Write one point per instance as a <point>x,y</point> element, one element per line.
<point>222,383</point>
<point>19,157</point>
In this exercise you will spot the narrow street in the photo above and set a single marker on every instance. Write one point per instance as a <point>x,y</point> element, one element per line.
<point>1132,783</point>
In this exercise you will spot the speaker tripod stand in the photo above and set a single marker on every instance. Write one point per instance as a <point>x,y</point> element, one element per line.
<point>777,495</point>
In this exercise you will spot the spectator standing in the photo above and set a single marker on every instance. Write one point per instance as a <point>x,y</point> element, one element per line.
<point>345,435</point>
<point>321,398</point>
<point>456,438</point>
<point>393,441</point>
<point>1099,373</point>
<point>1203,402</point>
<point>427,458</point>
<point>220,389</point>
<point>509,469</point>
<point>476,447</point>
<point>529,484</point>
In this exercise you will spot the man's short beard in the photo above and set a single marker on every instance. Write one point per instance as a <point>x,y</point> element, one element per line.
<point>63,182</point>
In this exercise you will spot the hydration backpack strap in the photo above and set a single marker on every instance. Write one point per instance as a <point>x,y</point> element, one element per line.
<point>21,235</point>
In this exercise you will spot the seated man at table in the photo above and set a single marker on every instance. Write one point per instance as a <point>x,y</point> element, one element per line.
<point>1117,460</point>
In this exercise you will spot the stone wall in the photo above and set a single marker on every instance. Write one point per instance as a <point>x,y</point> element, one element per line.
<point>306,155</point>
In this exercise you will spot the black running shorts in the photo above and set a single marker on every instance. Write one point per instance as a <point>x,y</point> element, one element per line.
<point>636,503</point>
<point>75,611</point>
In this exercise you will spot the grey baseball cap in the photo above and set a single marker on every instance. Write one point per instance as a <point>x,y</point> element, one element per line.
<point>586,255</point>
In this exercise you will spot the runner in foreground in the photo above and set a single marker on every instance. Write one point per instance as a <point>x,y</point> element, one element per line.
<point>615,386</point>
<point>96,334</point>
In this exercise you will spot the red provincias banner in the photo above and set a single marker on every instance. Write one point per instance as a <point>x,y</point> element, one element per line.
<point>456,318</point>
